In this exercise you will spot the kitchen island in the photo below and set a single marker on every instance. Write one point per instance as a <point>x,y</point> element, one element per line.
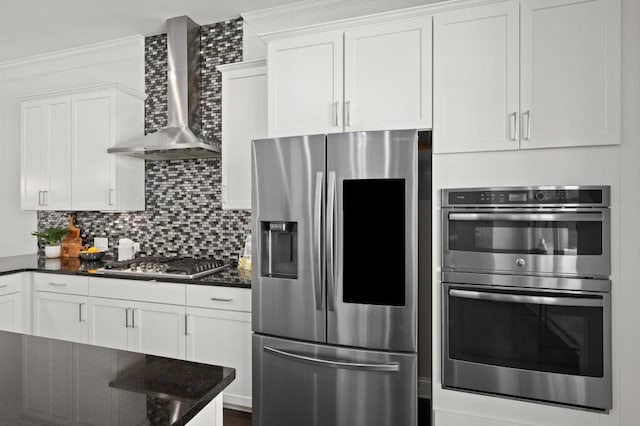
<point>47,381</point>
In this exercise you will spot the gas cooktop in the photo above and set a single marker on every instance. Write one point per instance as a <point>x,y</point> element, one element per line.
<point>164,267</point>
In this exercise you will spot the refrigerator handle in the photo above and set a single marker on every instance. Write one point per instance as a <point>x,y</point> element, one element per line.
<point>387,366</point>
<point>317,235</point>
<point>331,204</point>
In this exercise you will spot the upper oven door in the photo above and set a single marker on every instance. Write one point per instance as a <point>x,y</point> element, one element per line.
<point>550,241</point>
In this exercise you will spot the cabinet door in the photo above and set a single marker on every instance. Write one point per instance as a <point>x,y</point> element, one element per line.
<point>46,154</point>
<point>244,102</point>
<point>61,316</point>
<point>475,79</point>
<point>109,323</point>
<point>57,160</point>
<point>305,85</point>
<point>32,143</point>
<point>223,337</point>
<point>11,312</point>
<point>93,132</point>
<point>387,72</point>
<point>158,329</point>
<point>570,73</point>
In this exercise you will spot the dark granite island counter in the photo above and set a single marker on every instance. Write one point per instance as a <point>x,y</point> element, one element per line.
<point>47,381</point>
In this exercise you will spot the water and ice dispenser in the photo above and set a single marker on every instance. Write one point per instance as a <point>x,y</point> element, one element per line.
<point>279,249</point>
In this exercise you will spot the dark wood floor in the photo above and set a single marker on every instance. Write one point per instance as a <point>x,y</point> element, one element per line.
<point>236,418</point>
<point>239,418</point>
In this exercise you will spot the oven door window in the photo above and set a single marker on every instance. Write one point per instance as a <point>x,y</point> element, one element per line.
<point>530,336</point>
<point>526,237</point>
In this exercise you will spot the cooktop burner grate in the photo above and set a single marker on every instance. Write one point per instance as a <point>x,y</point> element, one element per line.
<point>165,267</point>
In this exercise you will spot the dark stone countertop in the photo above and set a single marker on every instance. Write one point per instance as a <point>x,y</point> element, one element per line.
<point>229,277</point>
<point>107,383</point>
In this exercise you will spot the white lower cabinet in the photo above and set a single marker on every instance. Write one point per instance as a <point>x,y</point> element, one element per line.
<point>109,323</point>
<point>159,329</point>
<point>213,328</point>
<point>11,312</point>
<point>151,328</point>
<point>223,338</point>
<point>60,316</point>
<point>219,332</point>
<point>12,304</point>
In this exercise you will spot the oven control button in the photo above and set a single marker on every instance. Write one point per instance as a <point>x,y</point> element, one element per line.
<point>539,196</point>
<point>520,262</point>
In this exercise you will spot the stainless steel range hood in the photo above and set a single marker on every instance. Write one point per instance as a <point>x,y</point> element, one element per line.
<point>183,138</point>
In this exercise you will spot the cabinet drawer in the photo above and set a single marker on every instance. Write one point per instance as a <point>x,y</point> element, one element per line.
<point>10,284</point>
<point>143,291</point>
<point>232,299</point>
<point>58,283</point>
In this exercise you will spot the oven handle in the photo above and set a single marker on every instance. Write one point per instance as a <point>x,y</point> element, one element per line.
<point>538,217</point>
<point>535,300</point>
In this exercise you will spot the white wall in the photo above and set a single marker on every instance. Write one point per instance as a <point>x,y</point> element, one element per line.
<point>616,166</point>
<point>119,61</point>
<point>627,290</point>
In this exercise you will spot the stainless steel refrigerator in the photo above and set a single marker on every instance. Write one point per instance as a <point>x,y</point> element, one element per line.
<point>334,284</point>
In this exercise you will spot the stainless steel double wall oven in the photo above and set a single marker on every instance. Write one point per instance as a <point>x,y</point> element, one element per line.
<point>526,293</point>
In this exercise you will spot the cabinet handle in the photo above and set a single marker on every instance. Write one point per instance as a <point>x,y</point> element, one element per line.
<point>335,114</point>
<point>527,131</point>
<point>133,317</point>
<point>126,317</point>
<point>347,111</point>
<point>40,197</point>
<point>58,284</point>
<point>111,191</point>
<point>222,299</point>
<point>186,324</point>
<point>80,316</point>
<point>45,198</point>
<point>513,126</point>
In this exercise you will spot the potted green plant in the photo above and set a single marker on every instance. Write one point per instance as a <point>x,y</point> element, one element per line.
<point>52,237</point>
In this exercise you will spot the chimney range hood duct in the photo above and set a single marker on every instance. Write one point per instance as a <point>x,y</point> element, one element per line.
<point>183,138</point>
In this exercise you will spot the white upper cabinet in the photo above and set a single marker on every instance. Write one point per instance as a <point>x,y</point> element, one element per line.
<point>305,85</point>
<point>368,78</point>
<point>476,79</point>
<point>527,74</point>
<point>570,72</point>
<point>387,76</point>
<point>46,153</point>
<point>65,137</point>
<point>244,118</point>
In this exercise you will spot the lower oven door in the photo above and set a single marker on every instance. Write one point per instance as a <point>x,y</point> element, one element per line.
<point>552,346</point>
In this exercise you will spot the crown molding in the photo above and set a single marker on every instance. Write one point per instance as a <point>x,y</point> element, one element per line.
<point>375,18</point>
<point>238,66</point>
<point>121,87</point>
<point>299,8</point>
<point>137,40</point>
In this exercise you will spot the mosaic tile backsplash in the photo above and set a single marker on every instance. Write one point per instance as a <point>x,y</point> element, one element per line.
<point>184,215</point>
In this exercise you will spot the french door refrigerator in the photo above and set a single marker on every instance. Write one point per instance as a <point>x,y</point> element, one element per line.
<point>334,284</point>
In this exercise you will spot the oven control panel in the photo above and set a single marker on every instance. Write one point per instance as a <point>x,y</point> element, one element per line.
<point>527,196</point>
